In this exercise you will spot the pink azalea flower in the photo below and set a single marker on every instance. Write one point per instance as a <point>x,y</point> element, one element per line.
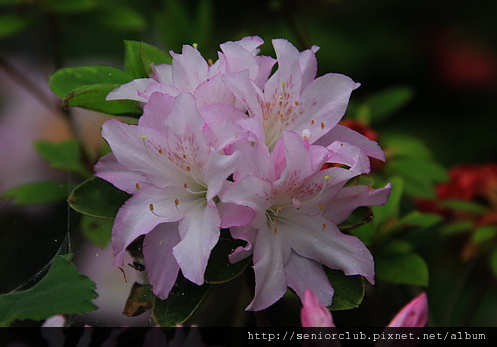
<point>414,314</point>
<point>315,314</point>
<point>175,177</point>
<point>190,72</point>
<point>293,99</point>
<point>297,209</point>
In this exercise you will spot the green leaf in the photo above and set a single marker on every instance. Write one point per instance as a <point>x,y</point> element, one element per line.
<point>421,220</point>
<point>38,193</point>
<point>484,233</point>
<point>456,228</point>
<point>138,57</point>
<point>119,17</point>
<point>64,155</point>
<point>359,217</point>
<point>182,302</point>
<point>465,206</point>
<point>64,81</point>
<point>402,145</point>
<point>349,290</point>
<point>11,24</point>
<point>385,103</point>
<point>402,268</point>
<point>97,198</point>
<point>62,291</point>
<point>219,268</point>
<point>419,175</point>
<point>97,230</point>
<point>92,97</point>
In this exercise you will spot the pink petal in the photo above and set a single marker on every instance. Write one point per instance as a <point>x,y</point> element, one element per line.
<point>199,232</point>
<point>221,125</point>
<point>414,314</point>
<point>247,234</point>
<point>313,313</point>
<point>57,321</point>
<point>329,246</point>
<point>189,69</point>
<point>324,102</point>
<point>250,43</point>
<point>219,168</point>
<point>270,255</point>
<point>302,273</point>
<point>239,59</point>
<point>288,70</point>
<point>309,66</point>
<point>163,73</point>
<point>350,198</point>
<point>244,89</point>
<point>160,264</point>
<point>110,170</point>
<point>134,149</point>
<point>214,91</point>
<point>134,90</point>
<point>135,217</point>
<point>234,215</point>
<point>344,134</point>
<point>155,112</point>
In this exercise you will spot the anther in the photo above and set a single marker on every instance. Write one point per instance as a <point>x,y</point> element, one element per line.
<point>322,125</point>
<point>275,229</point>
<point>297,103</point>
<point>195,45</point>
<point>321,207</point>
<point>151,207</point>
<point>323,226</point>
<point>188,169</point>
<point>210,62</point>
<point>161,151</point>
<point>176,202</point>
<point>138,186</point>
<point>184,156</point>
<point>185,185</point>
<point>312,122</point>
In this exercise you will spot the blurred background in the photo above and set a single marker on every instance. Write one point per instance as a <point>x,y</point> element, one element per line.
<point>438,59</point>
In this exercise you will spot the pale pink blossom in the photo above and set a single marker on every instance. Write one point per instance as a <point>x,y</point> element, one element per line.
<point>297,209</point>
<point>168,165</point>
<point>190,72</point>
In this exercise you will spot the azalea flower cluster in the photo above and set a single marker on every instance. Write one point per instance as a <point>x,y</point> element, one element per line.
<point>227,144</point>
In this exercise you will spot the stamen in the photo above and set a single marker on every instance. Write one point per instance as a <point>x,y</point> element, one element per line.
<point>323,226</point>
<point>138,186</point>
<point>297,103</point>
<point>312,122</point>
<point>195,45</point>
<point>322,125</point>
<point>188,169</point>
<point>176,202</point>
<point>184,156</point>
<point>161,151</point>
<point>210,62</point>
<point>275,229</point>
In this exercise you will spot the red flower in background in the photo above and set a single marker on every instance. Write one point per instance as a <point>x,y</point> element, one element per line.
<point>464,62</point>
<point>473,183</point>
